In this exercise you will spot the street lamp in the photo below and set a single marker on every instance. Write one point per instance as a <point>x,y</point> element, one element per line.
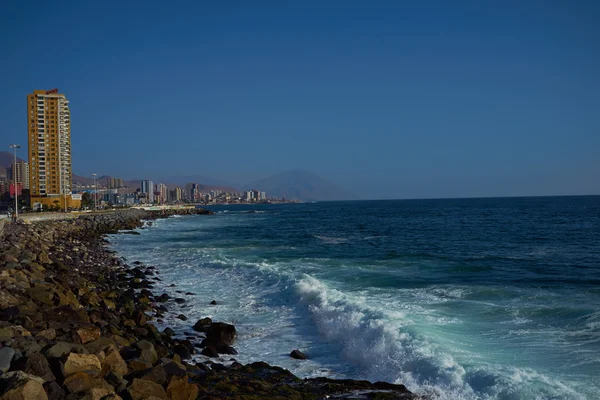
<point>14,173</point>
<point>95,193</point>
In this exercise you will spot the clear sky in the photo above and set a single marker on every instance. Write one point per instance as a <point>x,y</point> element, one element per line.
<point>398,99</point>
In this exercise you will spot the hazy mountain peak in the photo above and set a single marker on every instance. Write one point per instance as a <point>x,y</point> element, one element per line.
<point>300,185</point>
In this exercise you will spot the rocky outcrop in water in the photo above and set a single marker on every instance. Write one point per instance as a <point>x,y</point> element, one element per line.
<point>78,323</point>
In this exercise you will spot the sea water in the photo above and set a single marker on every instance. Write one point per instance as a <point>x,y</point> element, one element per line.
<point>472,298</point>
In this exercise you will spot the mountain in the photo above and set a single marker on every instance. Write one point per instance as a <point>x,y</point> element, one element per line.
<point>300,185</point>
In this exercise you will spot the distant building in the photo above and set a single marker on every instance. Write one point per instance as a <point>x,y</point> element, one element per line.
<point>175,195</point>
<point>148,188</point>
<point>19,173</point>
<point>161,193</point>
<point>49,133</point>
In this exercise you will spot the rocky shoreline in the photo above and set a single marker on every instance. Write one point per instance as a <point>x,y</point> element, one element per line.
<point>76,322</point>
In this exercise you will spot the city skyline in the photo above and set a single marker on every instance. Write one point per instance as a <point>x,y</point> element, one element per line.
<point>388,100</point>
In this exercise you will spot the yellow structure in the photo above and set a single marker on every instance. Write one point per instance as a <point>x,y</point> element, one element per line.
<point>49,133</point>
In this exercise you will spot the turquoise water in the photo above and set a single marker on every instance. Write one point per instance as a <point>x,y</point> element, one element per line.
<point>475,298</point>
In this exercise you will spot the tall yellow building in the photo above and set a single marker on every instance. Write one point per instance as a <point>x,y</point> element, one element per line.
<point>49,133</point>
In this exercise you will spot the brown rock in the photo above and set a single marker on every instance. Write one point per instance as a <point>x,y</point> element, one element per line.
<point>298,355</point>
<point>82,381</point>
<point>88,334</point>
<point>21,386</point>
<point>138,365</point>
<point>35,364</point>
<point>7,299</point>
<point>113,362</point>
<point>181,389</point>
<point>202,325</point>
<point>142,389</point>
<point>12,331</point>
<point>148,352</point>
<point>101,394</point>
<point>48,334</point>
<point>81,362</point>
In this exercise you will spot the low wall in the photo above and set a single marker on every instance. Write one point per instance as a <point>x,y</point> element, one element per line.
<point>35,217</point>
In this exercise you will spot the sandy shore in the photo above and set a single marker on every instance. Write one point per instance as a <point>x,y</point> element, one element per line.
<point>78,323</point>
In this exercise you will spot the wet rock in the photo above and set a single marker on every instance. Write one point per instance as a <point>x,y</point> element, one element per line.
<point>202,325</point>
<point>169,331</point>
<point>210,351</point>
<point>19,385</point>
<point>6,356</point>
<point>179,300</point>
<point>298,355</point>
<point>227,350</point>
<point>182,317</point>
<point>182,351</point>
<point>221,334</point>
<point>213,303</point>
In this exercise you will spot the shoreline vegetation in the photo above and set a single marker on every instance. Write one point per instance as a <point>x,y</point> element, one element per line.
<point>77,322</point>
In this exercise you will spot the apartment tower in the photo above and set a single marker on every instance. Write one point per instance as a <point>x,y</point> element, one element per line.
<point>49,133</point>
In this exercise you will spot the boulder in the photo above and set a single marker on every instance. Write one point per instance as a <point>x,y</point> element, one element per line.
<point>113,362</point>
<point>54,391</point>
<point>83,381</point>
<point>221,334</point>
<point>59,349</point>
<point>48,334</point>
<point>202,325</point>
<point>298,355</point>
<point>88,334</point>
<point>11,331</point>
<point>101,394</point>
<point>181,389</point>
<point>80,363</point>
<point>182,351</point>
<point>19,385</point>
<point>35,364</point>
<point>6,356</point>
<point>210,351</point>
<point>148,352</point>
<point>142,389</point>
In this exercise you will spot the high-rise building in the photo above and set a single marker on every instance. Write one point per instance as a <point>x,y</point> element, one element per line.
<point>19,172</point>
<point>148,187</point>
<point>49,134</point>
<point>162,191</point>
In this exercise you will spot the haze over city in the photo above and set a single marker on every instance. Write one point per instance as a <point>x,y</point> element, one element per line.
<point>388,101</point>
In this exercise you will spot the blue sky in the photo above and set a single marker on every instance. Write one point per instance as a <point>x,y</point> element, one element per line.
<point>387,99</point>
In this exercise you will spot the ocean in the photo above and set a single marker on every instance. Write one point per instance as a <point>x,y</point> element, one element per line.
<point>493,298</point>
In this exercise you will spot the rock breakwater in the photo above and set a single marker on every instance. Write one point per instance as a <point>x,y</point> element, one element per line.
<point>76,322</point>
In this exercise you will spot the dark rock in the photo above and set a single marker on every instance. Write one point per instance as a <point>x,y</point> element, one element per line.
<point>298,355</point>
<point>35,364</point>
<point>54,391</point>
<point>202,325</point>
<point>182,351</point>
<point>227,350</point>
<point>6,356</point>
<point>221,334</point>
<point>179,300</point>
<point>213,303</point>
<point>182,317</point>
<point>210,351</point>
